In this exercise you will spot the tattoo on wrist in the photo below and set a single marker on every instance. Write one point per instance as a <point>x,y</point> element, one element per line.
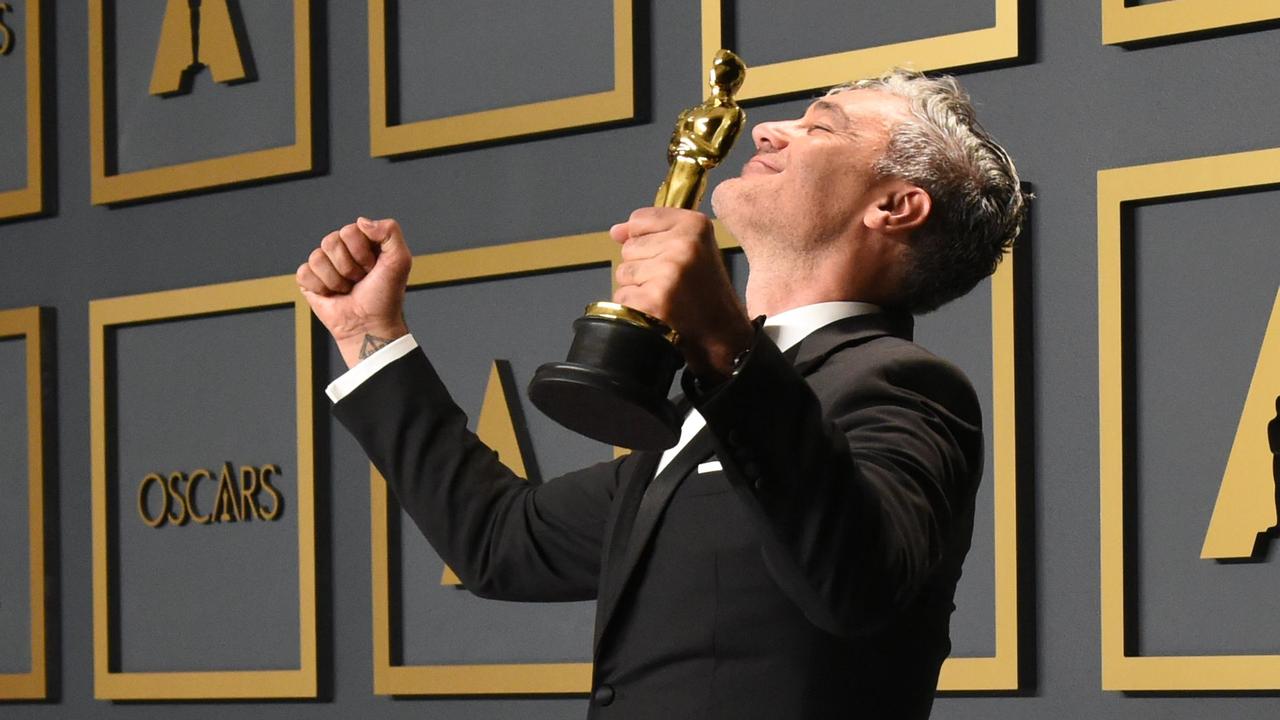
<point>372,344</point>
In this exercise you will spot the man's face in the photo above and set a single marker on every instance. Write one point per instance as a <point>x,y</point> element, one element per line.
<point>812,178</point>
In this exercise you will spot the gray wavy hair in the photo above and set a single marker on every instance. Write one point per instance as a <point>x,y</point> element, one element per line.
<point>978,204</point>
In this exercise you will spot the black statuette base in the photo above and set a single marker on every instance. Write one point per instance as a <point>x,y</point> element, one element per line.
<point>613,386</point>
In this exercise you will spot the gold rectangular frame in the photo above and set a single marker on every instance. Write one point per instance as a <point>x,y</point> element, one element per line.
<point>507,122</point>
<point>200,174</point>
<point>1122,24</point>
<point>998,42</point>
<point>109,684</point>
<point>30,199</point>
<point>33,684</point>
<point>999,672</point>
<point>1116,187</point>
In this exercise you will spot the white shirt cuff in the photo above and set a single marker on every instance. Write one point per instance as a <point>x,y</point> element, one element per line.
<point>348,381</point>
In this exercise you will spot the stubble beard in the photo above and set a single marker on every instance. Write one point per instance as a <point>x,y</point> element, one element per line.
<point>746,209</point>
<point>773,238</point>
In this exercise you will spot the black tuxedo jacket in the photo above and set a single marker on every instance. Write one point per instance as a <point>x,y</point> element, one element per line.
<point>809,575</point>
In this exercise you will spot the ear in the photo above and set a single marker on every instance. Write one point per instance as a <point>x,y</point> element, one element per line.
<point>901,207</point>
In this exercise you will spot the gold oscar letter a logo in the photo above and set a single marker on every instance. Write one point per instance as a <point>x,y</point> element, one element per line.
<point>1247,499</point>
<point>196,34</point>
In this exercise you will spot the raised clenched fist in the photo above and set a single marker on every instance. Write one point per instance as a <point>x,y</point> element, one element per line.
<point>355,284</point>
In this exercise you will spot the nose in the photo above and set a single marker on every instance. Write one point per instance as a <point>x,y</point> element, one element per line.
<point>771,136</point>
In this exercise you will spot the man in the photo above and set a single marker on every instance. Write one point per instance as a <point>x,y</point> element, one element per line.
<point>798,555</point>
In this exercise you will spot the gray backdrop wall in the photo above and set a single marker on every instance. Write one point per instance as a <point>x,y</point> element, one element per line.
<point>1068,107</point>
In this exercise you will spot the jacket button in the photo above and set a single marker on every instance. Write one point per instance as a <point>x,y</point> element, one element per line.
<point>603,695</point>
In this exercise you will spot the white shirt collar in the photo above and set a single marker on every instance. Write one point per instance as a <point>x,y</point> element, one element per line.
<point>791,326</point>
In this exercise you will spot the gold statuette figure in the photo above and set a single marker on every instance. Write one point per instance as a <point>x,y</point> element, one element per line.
<point>613,386</point>
<point>704,134</point>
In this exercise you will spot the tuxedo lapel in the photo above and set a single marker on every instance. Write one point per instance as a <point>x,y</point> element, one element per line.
<point>638,518</point>
<point>633,488</point>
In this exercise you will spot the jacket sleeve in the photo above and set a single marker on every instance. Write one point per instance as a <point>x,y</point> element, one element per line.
<point>861,480</point>
<point>503,537</point>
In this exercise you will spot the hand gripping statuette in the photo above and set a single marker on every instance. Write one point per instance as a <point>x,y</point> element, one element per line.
<point>613,385</point>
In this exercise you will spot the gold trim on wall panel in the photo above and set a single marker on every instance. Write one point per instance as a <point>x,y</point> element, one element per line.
<point>999,672</point>
<point>1116,187</point>
<point>104,315</point>
<point>998,42</point>
<point>507,122</point>
<point>31,685</point>
<point>1128,23</point>
<point>30,199</point>
<point>107,188</point>
<point>453,679</point>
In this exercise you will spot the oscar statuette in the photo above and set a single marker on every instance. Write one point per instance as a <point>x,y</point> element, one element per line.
<point>613,385</point>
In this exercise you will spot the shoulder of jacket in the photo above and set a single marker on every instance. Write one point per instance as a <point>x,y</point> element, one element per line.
<point>897,362</point>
